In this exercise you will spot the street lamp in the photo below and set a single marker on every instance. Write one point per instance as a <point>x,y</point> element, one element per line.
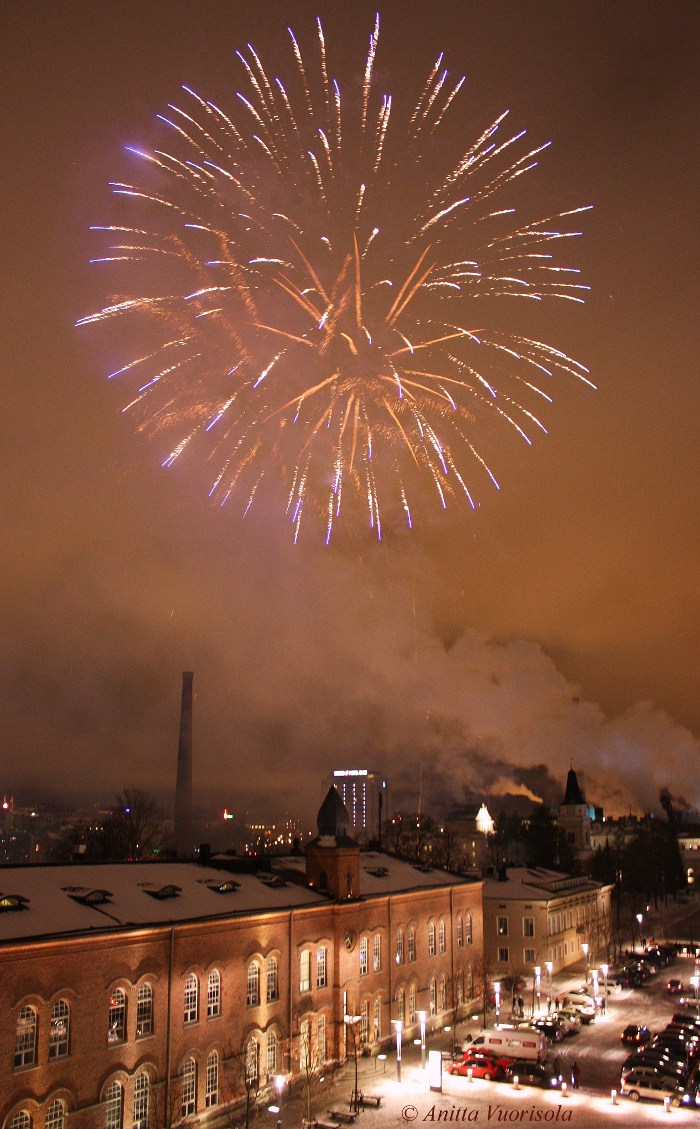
<point>351,1022</point>
<point>640,918</point>
<point>594,974</point>
<point>585,946</point>
<point>276,1109</point>
<point>399,1028</point>
<point>605,968</point>
<point>538,984</point>
<point>549,966</point>
<point>497,990</point>
<point>421,1020</point>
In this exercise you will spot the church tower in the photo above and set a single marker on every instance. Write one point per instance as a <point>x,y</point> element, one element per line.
<point>333,858</point>
<point>574,818</point>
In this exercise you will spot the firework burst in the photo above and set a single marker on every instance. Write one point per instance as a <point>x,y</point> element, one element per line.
<point>313,275</point>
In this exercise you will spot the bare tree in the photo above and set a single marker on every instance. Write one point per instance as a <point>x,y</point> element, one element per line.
<point>131,832</point>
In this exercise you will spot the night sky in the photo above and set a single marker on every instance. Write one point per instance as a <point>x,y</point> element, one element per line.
<point>556,625</point>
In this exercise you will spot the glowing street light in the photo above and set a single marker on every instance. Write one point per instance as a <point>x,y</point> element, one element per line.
<point>497,990</point>
<point>399,1028</point>
<point>421,1020</point>
<point>640,918</point>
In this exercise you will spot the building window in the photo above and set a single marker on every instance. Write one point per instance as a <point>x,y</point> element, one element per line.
<point>502,926</point>
<point>321,1039</point>
<point>364,962</point>
<point>411,944</point>
<point>117,1017</point>
<point>528,927</point>
<point>460,987</point>
<point>468,929</point>
<point>214,994</point>
<point>191,1012</point>
<point>21,1120</point>
<point>364,1022</point>
<point>252,1063</point>
<point>400,1005</point>
<point>399,946</point>
<point>189,1088</point>
<point>377,953</point>
<point>529,956</point>
<point>305,971</point>
<point>273,989</point>
<point>460,932</point>
<point>271,1054</point>
<point>114,1106</point>
<point>433,996</point>
<point>441,1002</point>
<point>142,1095</point>
<point>253,990</point>
<point>305,1045</point>
<point>412,1004</point>
<point>144,1011</point>
<point>431,940</point>
<point>321,973</point>
<point>211,1085</point>
<point>441,936</point>
<point>503,956</point>
<point>55,1115</point>
<point>377,1019</point>
<point>60,1029</point>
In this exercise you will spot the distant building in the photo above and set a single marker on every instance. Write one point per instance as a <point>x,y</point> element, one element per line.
<point>533,915</point>
<point>470,824</point>
<point>574,818</point>
<point>365,794</point>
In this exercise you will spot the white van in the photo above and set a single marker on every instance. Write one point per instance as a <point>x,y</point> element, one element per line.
<point>513,1042</point>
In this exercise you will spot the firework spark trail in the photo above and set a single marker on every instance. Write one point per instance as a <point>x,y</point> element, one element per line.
<point>308,265</point>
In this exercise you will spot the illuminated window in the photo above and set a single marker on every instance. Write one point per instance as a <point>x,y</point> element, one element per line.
<point>431,940</point>
<point>55,1115</point>
<point>211,1091</point>
<point>433,996</point>
<point>60,1029</point>
<point>502,926</point>
<point>305,971</point>
<point>377,953</point>
<point>411,944</point>
<point>272,980</point>
<point>321,968</point>
<point>399,946</point>
<point>364,1022</point>
<point>305,1045</point>
<point>25,1038</point>
<point>364,960</point>
<point>400,1005</point>
<point>189,1088</point>
<point>468,929</point>
<point>271,1054</point>
<point>460,932</point>
<point>116,1030</point>
<point>114,1106</point>
<point>252,1063</point>
<point>213,994</point>
<point>21,1120</point>
<point>142,1100</point>
<point>441,1000</point>
<point>441,936</point>
<point>412,1004</point>
<point>377,1019</point>
<point>144,1012</point>
<point>253,991</point>
<point>321,1039</point>
<point>191,999</point>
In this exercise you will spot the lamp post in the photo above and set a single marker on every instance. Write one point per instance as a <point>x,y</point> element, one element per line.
<point>276,1109</point>
<point>538,985</point>
<point>399,1028</point>
<point>594,974</point>
<point>351,1022</point>
<point>497,990</point>
<point>640,918</point>
<point>421,1020</point>
<point>585,946</point>
<point>605,968</point>
<point>549,966</point>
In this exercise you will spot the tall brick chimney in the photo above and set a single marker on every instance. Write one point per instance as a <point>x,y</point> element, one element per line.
<point>183,786</point>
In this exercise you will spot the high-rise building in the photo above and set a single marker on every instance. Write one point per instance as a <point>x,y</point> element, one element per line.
<point>365,793</point>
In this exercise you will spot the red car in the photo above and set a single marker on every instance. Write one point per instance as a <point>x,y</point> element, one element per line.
<point>482,1065</point>
<point>674,987</point>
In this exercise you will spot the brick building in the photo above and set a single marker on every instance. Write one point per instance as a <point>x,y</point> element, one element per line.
<point>136,995</point>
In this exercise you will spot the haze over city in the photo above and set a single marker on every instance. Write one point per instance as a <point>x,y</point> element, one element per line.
<point>483,651</point>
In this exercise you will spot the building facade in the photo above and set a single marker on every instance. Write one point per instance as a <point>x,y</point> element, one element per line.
<point>365,794</point>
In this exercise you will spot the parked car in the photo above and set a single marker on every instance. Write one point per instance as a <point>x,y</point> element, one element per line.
<point>662,1065</point>
<point>635,1035</point>
<point>533,1074</point>
<point>674,987</point>
<point>643,1083</point>
<point>481,1064</point>
<point>569,1021</point>
<point>549,1027</point>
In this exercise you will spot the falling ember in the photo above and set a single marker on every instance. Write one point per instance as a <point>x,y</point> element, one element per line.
<point>309,276</point>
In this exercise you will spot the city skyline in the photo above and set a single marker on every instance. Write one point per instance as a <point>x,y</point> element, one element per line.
<point>555,625</point>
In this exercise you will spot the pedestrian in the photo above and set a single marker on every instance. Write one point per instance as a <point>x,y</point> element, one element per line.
<point>575,1075</point>
<point>602,1004</point>
<point>521,1006</point>
<point>557,1068</point>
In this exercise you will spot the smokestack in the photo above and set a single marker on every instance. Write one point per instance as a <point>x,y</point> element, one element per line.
<point>183,787</point>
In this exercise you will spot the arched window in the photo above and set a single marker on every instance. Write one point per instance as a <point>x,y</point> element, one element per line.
<point>55,1115</point>
<point>25,1038</point>
<point>431,940</point>
<point>116,1030</point>
<point>377,953</point>
<point>441,936</point>
<point>305,971</point>
<point>411,944</point>
<point>460,932</point>
<point>321,1052</point>
<point>114,1106</point>
<point>364,1022</point>
<point>21,1120</point>
<point>412,1004</point>
<point>60,1029</point>
<point>189,1087</point>
<point>191,1001</point>
<point>213,994</point>
<point>400,1005</point>
<point>211,1094</point>
<point>377,1019</point>
<point>142,1100</point>
<point>253,990</point>
<point>321,968</point>
<point>144,1011</point>
<point>441,1000</point>
<point>399,946</point>
<point>468,929</point>
<point>433,996</point>
<point>273,989</point>
<point>252,1068</point>
<point>364,958</point>
<point>305,1059</point>
<point>271,1054</point>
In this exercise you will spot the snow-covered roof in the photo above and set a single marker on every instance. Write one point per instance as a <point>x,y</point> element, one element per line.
<point>537,884</point>
<point>64,900</point>
<point>386,874</point>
